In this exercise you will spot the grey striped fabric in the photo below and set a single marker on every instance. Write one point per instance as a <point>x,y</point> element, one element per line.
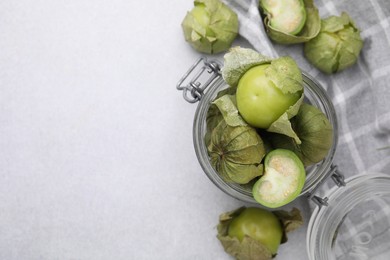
<point>360,94</point>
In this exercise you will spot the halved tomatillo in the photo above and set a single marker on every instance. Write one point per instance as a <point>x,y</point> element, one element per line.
<point>283,179</point>
<point>285,16</point>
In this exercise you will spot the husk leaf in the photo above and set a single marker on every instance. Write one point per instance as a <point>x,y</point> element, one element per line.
<point>285,74</point>
<point>283,124</point>
<point>238,61</point>
<point>290,220</point>
<point>315,132</point>
<point>214,115</point>
<point>227,105</point>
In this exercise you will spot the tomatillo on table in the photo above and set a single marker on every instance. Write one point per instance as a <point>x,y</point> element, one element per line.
<point>290,21</point>
<point>337,46</point>
<point>285,16</point>
<point>259,224</point>
<point>210,27</point>
<point>256,233</point>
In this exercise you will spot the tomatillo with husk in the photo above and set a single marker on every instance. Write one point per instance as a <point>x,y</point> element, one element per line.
<point>286,16</point>
<point>259,224</point>
<point>290,21</point>
<point>314,131</point>
<point>259,100</point>
<point>256,233</point>
<point>210,27</point>
<point>235,148</point>
<point>337,46</point>
<point>279,79</point>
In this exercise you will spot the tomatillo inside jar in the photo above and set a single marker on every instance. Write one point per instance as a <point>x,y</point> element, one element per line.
<point>195,91</point>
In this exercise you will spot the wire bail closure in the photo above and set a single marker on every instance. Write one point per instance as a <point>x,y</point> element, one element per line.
<point>204,73</point>
<point>338,179</point>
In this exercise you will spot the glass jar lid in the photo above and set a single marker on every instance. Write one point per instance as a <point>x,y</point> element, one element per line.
<point>356,222</point>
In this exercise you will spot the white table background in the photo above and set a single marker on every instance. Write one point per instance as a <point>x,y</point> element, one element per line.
<point>96,152</point>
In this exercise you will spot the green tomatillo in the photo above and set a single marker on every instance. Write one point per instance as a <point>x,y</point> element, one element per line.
<point>234,147</point>
<point>259,224</point>
<point>210,27</point>
<point>288,16</point>
<point>256,233</point>
<point>269,91</point>
<point>259,100</point>
<point>337,46</point>
<point>283,179</point>
<point>290,21</point>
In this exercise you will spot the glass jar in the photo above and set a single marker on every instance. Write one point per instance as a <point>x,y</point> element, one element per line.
<point>206,76</point>
<point>351,222</point>
<point>356,222</point>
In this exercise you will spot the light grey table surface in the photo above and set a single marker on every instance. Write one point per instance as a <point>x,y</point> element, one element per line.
<point>96,154</point>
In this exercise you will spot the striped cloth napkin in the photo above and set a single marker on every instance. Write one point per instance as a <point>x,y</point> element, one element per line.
<point>360,94</point>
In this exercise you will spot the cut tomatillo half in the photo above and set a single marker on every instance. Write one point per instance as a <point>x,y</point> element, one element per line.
<point>288,16</point>
<point>283,179</point>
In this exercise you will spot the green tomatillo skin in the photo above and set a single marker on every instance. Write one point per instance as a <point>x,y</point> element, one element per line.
<point>283,179</point>
<point>259,101</point>
<point>259,224</point>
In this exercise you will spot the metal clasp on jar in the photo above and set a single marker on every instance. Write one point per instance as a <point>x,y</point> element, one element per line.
<point>338,179</point>
<point>200,75</point>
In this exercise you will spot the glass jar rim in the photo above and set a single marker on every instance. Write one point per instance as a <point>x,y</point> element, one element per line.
<point>317,93</point>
